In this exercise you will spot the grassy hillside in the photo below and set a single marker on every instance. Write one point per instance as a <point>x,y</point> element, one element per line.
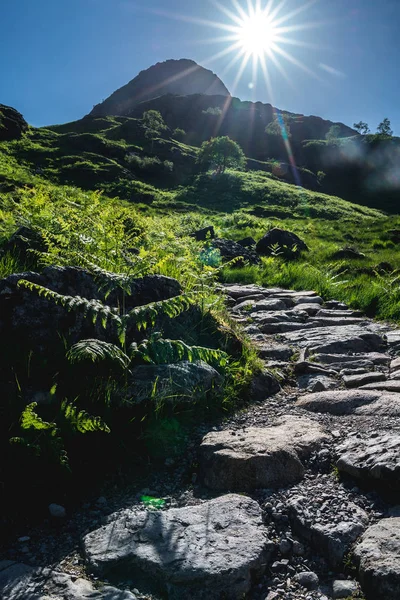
<point>98,194</point>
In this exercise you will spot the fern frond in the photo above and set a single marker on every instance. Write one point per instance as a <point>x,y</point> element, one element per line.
<point>93,307</point>
<point>31,420</point>
<point>96,351</point>
<point>164,351</point>
<point>147,314</point>
<point>80,421</point>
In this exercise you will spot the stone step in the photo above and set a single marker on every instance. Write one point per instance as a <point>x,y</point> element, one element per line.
<point>352,402</point>
<point>205,551</point>
<point>323,515</point>
<point>362,379</point>
<point>372,457</point>
<point>378,557</point>
<point>375,357</point>
<point>391,385</point>
<point>259,457</point>
<point>338,340</point>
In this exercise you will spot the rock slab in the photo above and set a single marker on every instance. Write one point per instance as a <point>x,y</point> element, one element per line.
<point>352,402</point>
<point>21,582</point>
<point>259,457</point>
<point>376,457</point>
<point>378,557</point>
<point>197,552</point>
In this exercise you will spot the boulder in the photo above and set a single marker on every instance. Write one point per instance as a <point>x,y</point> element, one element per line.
<point>188,381</point>
<point>201,235</point>
<point>352,402</point>
<point>378,558</point>
<point>33,321</point>
<point>21,582</point>
<point>200,552</point>
<point>12,124</point>
<point>259,457</point>
<point>230,250</point>
<point>23,240</point>
<point>286,241</point>
<point>247,242</point>
<point>373,457</point>
<point>263,385</point>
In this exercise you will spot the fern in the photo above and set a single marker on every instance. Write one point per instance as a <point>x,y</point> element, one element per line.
<point>162,351</point>
<point>80,421</point>
<point>96,351</point>
<point>51,442</point>
<point>147,314</point>
<point>93,307</point>
<point>31,420</point>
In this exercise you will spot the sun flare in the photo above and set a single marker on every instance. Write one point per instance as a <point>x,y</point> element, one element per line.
<point>259,31</point>
<point>257,34</point>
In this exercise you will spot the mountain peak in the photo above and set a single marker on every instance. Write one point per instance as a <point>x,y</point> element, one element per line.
<point>181,77</point>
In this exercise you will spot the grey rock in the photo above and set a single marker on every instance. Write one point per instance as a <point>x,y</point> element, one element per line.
<point>338,340</point>
<point>315,383</point>
<point>374,457</point>
<point>285,546</point>
<point>309,300</point>
<point>288,242</point>
<point>361,379</point>
<point>344,588</point>
<point>263,385</point>
<point>395,364</point>
<point>378,557</point>
<point>348,402</point>
<point>307,579</point>
<point>259,457</point>
<point>57,511</point>
<point>196,552</point>
<point>21,582</point>
<point>329,537</point>
<point>283,353</point>
<point>365,365</point>
<point>376,358</point>
<point>239,291</point>
<point>392,385</point>
<point>182,381</point>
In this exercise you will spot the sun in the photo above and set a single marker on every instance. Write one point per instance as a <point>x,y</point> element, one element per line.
<point>260,31</point>
<point>257,34</point>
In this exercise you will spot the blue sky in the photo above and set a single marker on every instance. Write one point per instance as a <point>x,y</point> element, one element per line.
<point>60,57</point>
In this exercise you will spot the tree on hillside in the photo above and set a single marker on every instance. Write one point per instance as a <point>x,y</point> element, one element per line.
<point>362,128</point>
<point>154,124</point>
<point>279,125</point>
<point>221,153</point>
<point>178,133</point>
<point>385,128</point>
<point>332,136</point>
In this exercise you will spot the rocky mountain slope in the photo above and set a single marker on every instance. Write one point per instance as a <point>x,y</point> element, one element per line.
<point>179,77</point>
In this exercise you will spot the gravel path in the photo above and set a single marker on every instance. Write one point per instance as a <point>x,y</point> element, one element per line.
<point>332,430</point>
